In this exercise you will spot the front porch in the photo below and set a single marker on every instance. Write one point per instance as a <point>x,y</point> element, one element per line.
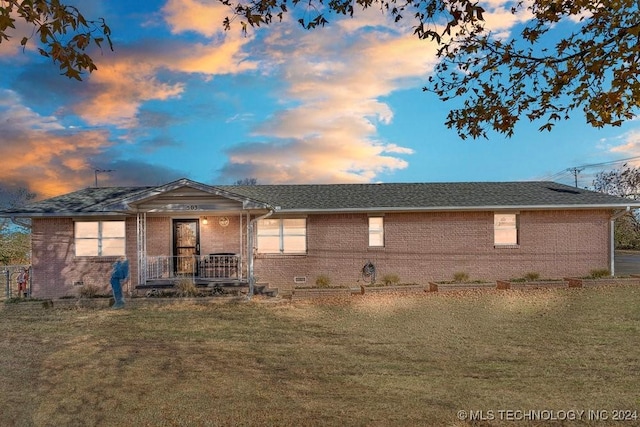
<point>219,267</point>
<point>213,274</point>
<point>191,231</point>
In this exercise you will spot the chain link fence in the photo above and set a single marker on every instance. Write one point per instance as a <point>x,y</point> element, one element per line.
<point>12,276</point>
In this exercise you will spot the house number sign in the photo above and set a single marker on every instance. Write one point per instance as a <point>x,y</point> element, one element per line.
<point>223,221</point>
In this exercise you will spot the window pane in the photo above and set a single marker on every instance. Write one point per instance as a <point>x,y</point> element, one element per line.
<point>86,247</point>
<point>112,247</point>
<point>376,239</point>
<point>295,226</point>
<point>269,227</point>
<point>295,244</point>
<point>100,238</point>
<point>376,231</point>
<point>269,244</point>
<point>505,220</point>
<point>506,237</point>
<point>87,229</point>
<point>294,239</point>
<point>113,229</point>
<point>376,223</point>
<point>505,229</point>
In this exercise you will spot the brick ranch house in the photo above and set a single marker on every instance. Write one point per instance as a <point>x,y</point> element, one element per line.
<point>288,235</point>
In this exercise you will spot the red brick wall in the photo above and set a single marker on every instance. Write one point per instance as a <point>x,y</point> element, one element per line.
<point>419,247</point>
<point>422,247</point>
<point>216,238</point>
<point>57,272</point>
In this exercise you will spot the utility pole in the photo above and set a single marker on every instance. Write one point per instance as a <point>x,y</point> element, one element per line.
<point>97,171</point>
<point>575,172</point>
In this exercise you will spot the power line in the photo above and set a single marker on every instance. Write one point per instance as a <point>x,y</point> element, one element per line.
<point>574,171</point>
<point>609,162</point>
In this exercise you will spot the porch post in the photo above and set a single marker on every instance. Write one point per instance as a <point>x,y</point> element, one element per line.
<point>241,260</point>
<point>141,231</point>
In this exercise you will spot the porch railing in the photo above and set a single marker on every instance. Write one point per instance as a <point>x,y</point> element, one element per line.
<point>214,266</point>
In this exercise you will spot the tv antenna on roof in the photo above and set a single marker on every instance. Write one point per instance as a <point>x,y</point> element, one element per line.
<point>97,171</point>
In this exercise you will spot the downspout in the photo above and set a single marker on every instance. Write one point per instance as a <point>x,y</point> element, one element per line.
<point>250,238</point>
<point>613,238</point>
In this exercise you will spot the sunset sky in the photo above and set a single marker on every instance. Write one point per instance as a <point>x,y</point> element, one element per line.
<point>180,97</point>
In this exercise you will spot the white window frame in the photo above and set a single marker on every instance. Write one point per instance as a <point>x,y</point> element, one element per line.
<point>285,231</point>
<point>506,224</point>
<point>99,240</point>
<point>376,232</point>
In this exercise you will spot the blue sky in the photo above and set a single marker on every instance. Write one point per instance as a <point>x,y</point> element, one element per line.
<point>180,97</point>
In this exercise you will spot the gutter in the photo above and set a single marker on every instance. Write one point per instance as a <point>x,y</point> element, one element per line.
<point>250,243</point>
<point>612,238</point>
<point>17,222</point>
<point>479,208</point>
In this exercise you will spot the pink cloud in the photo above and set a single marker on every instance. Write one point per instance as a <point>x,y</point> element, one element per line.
<point>38,150</point>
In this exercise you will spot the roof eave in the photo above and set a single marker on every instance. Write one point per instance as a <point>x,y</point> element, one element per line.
<point>464,208</point>
<point>126,204</point>
<point>62,214</point>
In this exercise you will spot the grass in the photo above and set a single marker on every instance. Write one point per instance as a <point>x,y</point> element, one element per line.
<point>371,360</point>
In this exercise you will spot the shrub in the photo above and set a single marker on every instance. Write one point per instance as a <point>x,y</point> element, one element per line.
<point>532,276</point>
<point>460,277</point>
<point>390,279</point>
<point>89,291</point>
<point>323,281</point>
<point>599,273</point>
<point>186,287</point>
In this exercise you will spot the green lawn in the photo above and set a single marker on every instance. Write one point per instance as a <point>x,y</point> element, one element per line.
<point>363,361</point>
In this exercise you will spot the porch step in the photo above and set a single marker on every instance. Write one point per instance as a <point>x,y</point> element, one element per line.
<point>264,289</point>
<point>226,285</point>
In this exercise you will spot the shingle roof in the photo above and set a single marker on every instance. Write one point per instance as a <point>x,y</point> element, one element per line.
<point>426,196</point>
<point>354,197</point>
<point>88,200</point>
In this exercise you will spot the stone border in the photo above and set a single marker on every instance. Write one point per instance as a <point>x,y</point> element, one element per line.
<point>443,287</point>
<point>578,282</point>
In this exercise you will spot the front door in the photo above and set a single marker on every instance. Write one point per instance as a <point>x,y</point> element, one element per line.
<point>186,246</point>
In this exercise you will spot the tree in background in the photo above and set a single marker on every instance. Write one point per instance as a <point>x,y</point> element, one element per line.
<point>624,182</point>
<point>246,181</point>
<point>15,240</point>
<point>568,55</point>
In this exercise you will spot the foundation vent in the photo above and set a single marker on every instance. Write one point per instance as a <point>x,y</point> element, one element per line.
<point>300,279</point>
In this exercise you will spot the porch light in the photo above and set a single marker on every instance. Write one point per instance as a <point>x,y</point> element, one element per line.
<point>205,221</point>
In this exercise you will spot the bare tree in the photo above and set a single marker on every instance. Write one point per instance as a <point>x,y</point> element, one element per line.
<point>624,182</point>
<point>246,181</point>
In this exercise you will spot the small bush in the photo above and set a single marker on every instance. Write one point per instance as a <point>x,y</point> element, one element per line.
<point>460,277</point>
<point>186,287</point>
<point>599,273</point>
<point>89,291</point>
<point>323,281</point>
<point>532,276</point>
<point>390,279</point>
